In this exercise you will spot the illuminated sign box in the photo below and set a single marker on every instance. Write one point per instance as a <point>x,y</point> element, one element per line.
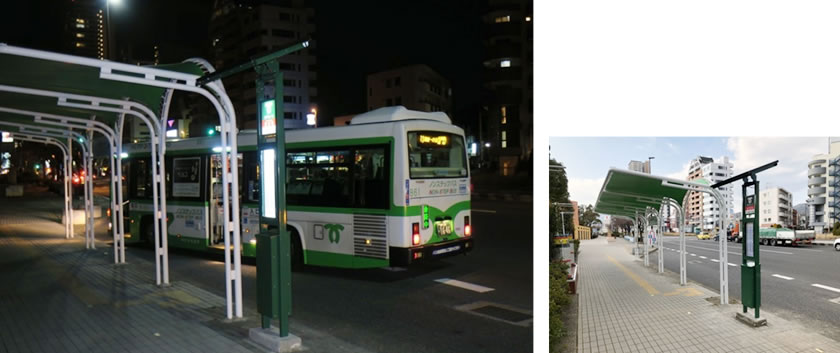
<point>268,123</point>
<point>7,137</point>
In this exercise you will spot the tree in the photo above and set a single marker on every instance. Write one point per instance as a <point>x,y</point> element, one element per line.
<point>588,215</point>
<point>558,192</point>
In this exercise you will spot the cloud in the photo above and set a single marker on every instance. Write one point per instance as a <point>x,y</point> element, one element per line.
<point>793,154</point>
<point>682,174</point>
<point>585,191</point>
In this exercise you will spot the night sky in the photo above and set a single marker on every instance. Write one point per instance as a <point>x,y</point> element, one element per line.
<point>354,39</point>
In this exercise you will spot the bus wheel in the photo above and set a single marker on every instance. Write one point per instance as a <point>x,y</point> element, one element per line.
<point>296,251</point>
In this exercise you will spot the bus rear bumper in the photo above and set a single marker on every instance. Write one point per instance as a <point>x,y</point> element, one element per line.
<point>408,256</point>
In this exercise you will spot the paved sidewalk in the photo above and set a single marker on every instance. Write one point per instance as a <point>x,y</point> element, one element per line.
<point>625,307</point>
<point>58,297</point>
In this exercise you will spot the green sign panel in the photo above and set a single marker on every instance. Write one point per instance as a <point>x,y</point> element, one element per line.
<point>268,123</point>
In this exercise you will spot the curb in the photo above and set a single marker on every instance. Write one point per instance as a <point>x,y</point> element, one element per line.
<point>502,197</point>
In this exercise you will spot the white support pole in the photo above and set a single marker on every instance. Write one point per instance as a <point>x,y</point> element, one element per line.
<point>113,181</point>
<point>659,241</point>
<point>724,255</point>
<point>646,240</point>
<point>121,215</point>
<point>68,186</point>
<point>89,183</point>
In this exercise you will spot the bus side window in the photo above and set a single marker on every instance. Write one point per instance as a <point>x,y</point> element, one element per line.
<point>369,173</point>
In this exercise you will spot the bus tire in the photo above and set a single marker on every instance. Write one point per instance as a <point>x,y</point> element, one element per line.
<point>296,250</point>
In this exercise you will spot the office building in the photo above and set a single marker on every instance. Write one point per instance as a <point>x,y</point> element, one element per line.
<point>703,211</point>
<point>775,207</point>
<point>508,80</point>
<point>241,30</point>
<point>824,189</point>
<point>416,87</point>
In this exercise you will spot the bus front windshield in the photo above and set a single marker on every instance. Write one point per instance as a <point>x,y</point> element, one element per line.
<point>434,154</point>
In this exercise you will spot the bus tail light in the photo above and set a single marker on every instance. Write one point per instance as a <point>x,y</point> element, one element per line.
<point>415,234</point>
<point>467,226</point>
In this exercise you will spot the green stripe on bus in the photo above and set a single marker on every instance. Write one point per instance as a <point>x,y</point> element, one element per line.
<point>321,258</point>
<point>452,211</point>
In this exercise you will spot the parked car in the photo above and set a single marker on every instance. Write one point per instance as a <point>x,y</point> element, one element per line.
<point>837,244</point>
<point>704,236</point>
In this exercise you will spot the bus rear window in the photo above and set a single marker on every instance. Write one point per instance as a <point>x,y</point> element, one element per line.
<point>433,154</point>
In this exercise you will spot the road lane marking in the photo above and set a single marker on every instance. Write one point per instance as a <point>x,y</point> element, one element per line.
<point>782,277</point>
<point>641,282</point>
<point>693,254</point>
<point>703,257</point>
<point>715,260</point>
<point>483,211</point>
<point>731,264</point>
<point>826,287</point>
<point>464,285</point>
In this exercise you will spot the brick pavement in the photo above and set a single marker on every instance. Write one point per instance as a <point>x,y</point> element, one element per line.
<point>625,307</point>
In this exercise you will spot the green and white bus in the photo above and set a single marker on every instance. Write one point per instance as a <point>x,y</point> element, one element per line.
<point>390,189</point>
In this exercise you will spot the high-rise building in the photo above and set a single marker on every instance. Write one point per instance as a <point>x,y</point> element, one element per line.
<point>508,82</point>
<point>775,207</point>
<point>703,210</point>
<point>824,189</point>
<point>641,167</point>
<point>85,29</point>
<point>416,87</point>
<point>241,30</point>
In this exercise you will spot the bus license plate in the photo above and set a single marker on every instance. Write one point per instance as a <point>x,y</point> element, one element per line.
<point>446,250</point>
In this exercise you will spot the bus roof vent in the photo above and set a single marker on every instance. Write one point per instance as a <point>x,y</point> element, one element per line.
<point>397,113</point>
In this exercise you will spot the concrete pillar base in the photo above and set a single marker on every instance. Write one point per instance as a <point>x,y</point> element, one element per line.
<point>269,339</point>
<point>750,320</point>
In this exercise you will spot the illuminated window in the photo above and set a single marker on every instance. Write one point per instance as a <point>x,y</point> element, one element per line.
<point>80,35</point>
<point>504,139</point>
<point>504,114</point>
<point>527,18</point>
<point>502,19</point>
<point>504,63</point>
<point>80,45</point>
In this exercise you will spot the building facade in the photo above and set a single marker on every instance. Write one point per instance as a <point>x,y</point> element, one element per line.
<point>776,207</point>
<point>85,29</point>
<point>824,189</point>
<point>703,211</point>
<point>416,87</point>
<point>508,80</point>
<point>241,30</point>
<point>641,167</point>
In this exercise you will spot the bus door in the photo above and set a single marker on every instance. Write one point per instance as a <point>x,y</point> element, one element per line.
<point>215,199</point>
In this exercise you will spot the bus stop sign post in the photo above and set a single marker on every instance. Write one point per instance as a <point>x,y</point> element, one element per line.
<point>750,264</point>
<point>274,276</point>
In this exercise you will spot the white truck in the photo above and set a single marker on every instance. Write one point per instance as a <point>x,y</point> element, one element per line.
<point>785,236</point>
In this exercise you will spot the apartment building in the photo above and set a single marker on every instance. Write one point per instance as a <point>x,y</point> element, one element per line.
<point>703,211</point>
<point>775,207</point>
<point>824,189</point>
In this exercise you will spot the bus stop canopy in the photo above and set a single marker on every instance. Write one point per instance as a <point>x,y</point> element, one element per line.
<point>52,90</point>
<point>56,76</point>
<point>625,191</point>
<point>632,194</point>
